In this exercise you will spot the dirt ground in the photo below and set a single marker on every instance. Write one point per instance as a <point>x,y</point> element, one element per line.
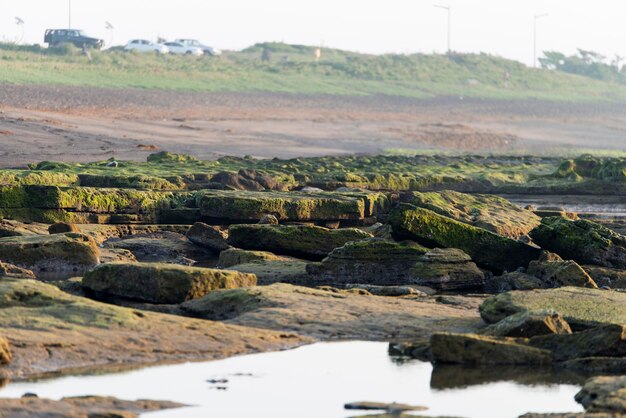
<point>86,124</point>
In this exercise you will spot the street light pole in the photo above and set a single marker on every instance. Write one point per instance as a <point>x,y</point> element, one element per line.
<point>537,17</point>
<point>449,10</point>
<point>69,26</point>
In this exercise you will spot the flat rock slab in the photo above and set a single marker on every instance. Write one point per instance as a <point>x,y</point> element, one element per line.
<point>381,406</point>
<point>373,262</point>
<point>65,255</point>
<point>330,315</point>
<point>290,206</point>
<point>470,349</point>
<point>298,240</point>
<point>83,406</point>
<point>161,283</point>
<point>492,213</point>
<point>52,332</point>
<point>580,307</point>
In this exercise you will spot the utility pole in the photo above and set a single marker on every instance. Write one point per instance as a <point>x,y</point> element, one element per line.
<point>537,17</point>
<point>69,26</point>
<point>448,9</point>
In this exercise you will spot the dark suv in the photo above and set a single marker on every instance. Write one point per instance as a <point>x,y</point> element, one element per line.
<point>56,37</point>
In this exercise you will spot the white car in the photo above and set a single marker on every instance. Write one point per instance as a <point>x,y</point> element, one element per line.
<point>206,49</point>
<point>142,45</point>
<point>178,48</point>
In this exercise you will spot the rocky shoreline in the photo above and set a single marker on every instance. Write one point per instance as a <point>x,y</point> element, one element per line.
<point>100,269</point>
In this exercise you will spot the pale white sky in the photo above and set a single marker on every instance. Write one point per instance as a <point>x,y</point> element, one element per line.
<point>502,27</point>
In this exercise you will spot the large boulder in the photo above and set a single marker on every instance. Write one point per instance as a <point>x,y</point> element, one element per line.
<point>529,324</point>
<point>373,261</point>
<point>161,283</point>
<point>583,241</point>
<point>487,249</point>
<point>604,341</point>
<point>555,272</point>
<point>472,349</point>
<point>492,213</point>
<point>447,269</point>
<point>51,256</point>
<point>298,240</point>
<point>580,307</point>
<point>209,236</point>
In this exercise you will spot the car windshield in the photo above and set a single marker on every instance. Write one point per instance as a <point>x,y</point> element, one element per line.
<point>81,33</point>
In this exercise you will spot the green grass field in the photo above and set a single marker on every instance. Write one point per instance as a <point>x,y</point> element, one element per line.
<point>293,69</point>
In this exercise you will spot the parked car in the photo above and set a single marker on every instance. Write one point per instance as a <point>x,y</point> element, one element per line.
<point>56,37</point>
<point>143,45</point>
<point>180,49</point>
<point>206,49</point>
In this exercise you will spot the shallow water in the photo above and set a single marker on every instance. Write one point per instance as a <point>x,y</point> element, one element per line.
<point>315,382</point>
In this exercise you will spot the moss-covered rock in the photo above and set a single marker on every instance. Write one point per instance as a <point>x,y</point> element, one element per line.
<point>289,206</point>
<point>603,341</point>
<point>447,269</point>
<point>559,273</point>
<point>289,270</point>
<point>161,283</point>
<point>580,307</point>
<point>472,349</point>
<point>372,261</point>
<point>298,240</point>
<point>489,212</point>
<point>209,236</point>
<point>583,241</point>
<point>170,157</point>
<point>233,256</point>
<point>484,247</point>
<point>529,324</point>
<point>60,255</point>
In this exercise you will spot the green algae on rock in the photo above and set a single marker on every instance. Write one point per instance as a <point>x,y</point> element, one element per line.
<point>298,240</point>
<point>372,261</point>
<point>583,241</point>
<point>580,307</point>
<point>484,247</point>
<point>161,283</point>
<point>66,255</point>
<point>288,206</point>
<point>489,212</point>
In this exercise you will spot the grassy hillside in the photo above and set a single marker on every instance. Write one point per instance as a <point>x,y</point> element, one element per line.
<point>292,69</point>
